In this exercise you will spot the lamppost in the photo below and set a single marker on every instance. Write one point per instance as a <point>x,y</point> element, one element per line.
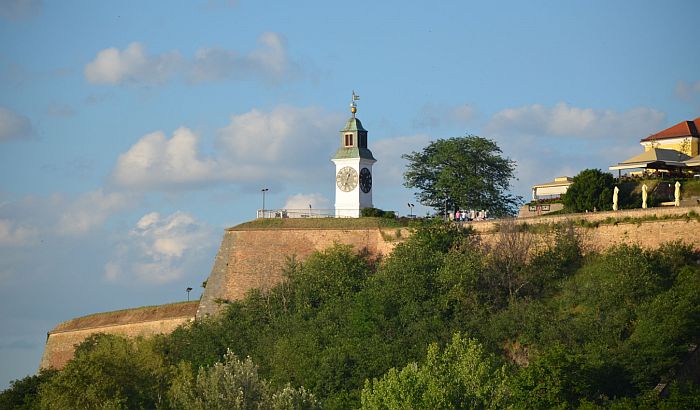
<point>263,194</point>
<point>447,218</point>
<point>188,290</point>
<point>410,210</point>
<point>309,210</point>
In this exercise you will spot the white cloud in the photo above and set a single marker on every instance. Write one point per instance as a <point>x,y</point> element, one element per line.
<point>159,248</point>
<point>14,125</point>
<point>14,234</point>
<point>688,91</point>
<point>91,210</point>
<point>286,143</point>
<point>269,62</point>
<point>563,120</point>
<point>19,9</point>
<point>158,162</point>
<point>131,66</point>
<point>286,138</point>
<point>302,201</point>
<point>437,115</point>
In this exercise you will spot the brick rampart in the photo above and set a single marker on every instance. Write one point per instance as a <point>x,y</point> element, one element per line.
<point>63,339</point>
<point>661,212</point>
<point>254,259</point>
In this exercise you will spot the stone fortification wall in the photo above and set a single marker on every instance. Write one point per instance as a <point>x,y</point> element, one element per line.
<point>146,321</point>
<point>661,212</point>
<point>631,227</point>
<point>254,258</point>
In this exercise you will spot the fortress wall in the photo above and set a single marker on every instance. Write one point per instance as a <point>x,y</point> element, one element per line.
<point>62,340</point>
<point>647,235</point>
<point>661,212</point>
<point>254,259</point>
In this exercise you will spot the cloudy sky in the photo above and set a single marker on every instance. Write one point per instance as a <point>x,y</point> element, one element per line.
<point>131,135</point>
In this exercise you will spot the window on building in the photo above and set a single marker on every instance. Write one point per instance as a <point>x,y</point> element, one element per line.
<point>348,140</point>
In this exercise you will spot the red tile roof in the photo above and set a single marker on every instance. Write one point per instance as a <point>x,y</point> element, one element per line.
<point>682,129</point>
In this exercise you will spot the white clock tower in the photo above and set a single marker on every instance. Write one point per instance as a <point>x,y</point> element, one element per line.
<point>353,168</point>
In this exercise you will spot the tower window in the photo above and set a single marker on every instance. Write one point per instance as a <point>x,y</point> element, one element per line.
<point>348,140</point>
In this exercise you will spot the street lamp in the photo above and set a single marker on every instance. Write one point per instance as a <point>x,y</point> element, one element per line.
<point>309,210</point>
<point>263,194</point>
<point>410,210</point>
<point>447,218</point>
<point>188,290</point>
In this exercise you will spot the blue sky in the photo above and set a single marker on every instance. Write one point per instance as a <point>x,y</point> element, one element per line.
<point>131,135</point>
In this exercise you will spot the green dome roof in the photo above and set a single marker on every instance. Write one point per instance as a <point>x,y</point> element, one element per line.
<point>353,124</point>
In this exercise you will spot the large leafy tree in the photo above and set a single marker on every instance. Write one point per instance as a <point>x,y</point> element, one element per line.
<point>468,172</point>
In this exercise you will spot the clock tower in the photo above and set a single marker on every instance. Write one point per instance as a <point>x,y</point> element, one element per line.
<point>353,168</point>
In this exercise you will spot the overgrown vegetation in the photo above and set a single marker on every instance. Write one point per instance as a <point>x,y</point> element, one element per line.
<point>591,190</point>
<point>377,213</point>
<point>443,322</point>
<point>543,227</point>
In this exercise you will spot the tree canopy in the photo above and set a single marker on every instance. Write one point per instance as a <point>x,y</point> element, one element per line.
<point>592,189</point>
<point>466,173</point>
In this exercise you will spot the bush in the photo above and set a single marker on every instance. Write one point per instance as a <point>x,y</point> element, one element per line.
<point>377,213</point>
<point>592,189</point>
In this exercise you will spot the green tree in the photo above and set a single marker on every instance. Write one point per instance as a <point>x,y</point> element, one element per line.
<point>466,172</point>
<point>22,393</point>
<point>108,371</point>
<point>555,380</point>
<point>233,384</point>
<point>463,376</point>
<point>591,189</point>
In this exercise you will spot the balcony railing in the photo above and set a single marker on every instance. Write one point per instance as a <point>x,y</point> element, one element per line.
<point>304,213</point>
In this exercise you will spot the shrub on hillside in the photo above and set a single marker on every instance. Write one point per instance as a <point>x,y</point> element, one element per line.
<point>592,189</point>
<point>377,213</point>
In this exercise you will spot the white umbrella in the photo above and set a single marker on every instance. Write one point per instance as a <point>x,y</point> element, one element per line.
<point>644,196</point>
<point>677,194</point>
<point>616,191</point>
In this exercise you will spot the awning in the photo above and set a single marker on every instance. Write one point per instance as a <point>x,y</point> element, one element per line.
<point>655,158</point>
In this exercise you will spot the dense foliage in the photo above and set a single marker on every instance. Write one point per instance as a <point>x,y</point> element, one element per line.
<point>377,213</point>
<point>462,173</point>
<point>443,322</point>
<point>591,190</point>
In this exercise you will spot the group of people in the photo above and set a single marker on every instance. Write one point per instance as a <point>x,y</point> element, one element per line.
<point>470,215</point>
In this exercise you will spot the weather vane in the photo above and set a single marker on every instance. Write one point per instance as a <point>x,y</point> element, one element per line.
<point>353,105</point>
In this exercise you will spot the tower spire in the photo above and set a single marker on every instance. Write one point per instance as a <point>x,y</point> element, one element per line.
<point>353,105</point>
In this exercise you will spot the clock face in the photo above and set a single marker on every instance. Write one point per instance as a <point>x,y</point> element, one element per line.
<point>346,179</point>
<point>365,180</point>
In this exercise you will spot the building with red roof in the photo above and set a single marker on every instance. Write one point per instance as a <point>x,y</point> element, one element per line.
<point>683,137</point>
<point>675,148</point>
